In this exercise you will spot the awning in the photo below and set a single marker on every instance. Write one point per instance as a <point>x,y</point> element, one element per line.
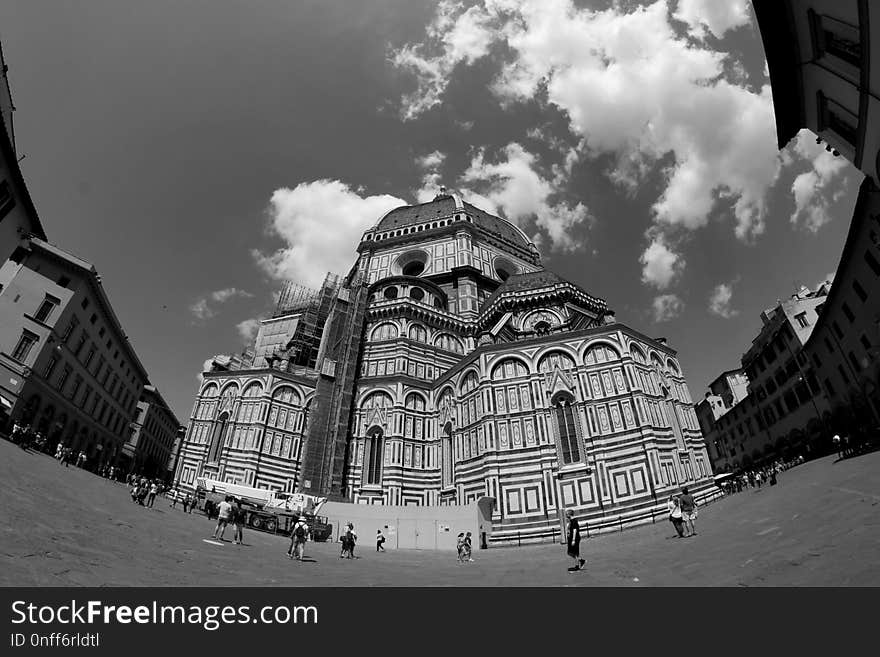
<point>5,403</point>
<point>724,475</point>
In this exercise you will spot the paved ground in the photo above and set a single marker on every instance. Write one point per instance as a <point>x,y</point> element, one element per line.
<point>66,527</point>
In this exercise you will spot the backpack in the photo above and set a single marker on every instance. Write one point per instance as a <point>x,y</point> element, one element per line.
<point>299,531</point>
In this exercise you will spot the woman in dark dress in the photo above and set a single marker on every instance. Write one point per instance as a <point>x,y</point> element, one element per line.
<point>573,541</point>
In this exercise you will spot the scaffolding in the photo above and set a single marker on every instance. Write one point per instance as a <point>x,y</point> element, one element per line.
<point>313,308</point>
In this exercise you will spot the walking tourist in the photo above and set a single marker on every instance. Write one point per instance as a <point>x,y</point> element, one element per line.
<point>573,541</point>
<point>185,502</point>
<point>151,496</point>
<point>459,546</point>
<point>298,537</point>
<point>468,546</point>
<point>380,540</point>
<point>675,515</point>
<point>223,512</point>
<point>238,517</point>
<point>688,511</point>
<point>349,539</point>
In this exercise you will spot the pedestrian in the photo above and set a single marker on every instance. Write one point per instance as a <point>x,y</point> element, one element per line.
<point>838,445</point>
<point>238,517</point>
<point>674,509</point>
<point>185,503</point>
<point>380,540</point>
<point>459,546</point>
<point>688,511</point>
<point>573,542</point>
<point>348,542</point>
<point>151,496</point>
<point>298,537</point>
<point>223,513</point>
<point>468,546</point>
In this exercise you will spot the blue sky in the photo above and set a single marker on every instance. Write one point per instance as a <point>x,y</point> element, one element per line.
<point>201,152</point>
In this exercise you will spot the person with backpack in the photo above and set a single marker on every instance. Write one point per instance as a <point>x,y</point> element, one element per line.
<point>238,518</point>
<point>298,538</point>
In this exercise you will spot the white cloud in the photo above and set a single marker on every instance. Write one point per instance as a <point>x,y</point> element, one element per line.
<point>248,329</point>
<point>517,189</point>
<point>667,307</point>
<point>206,367</point>
<point>630,86</point>
<point>321,223</point>
<point>811,188</point>
<point>431,178</point>
<point>462,36</point>
<point>715,16</point>
<point>660,265</point>
<point>203,309</point>
<point>719,301</point>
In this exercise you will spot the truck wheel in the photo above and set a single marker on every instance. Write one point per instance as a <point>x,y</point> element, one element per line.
<point>257,522</point>
<point>270,525</point>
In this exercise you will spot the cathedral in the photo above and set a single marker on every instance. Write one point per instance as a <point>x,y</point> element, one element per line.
<point>450,367</point>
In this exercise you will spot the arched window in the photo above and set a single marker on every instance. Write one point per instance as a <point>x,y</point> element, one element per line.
<point>287,395</point>
<point>211,390</point>
<point>390,292</point>
<point>509,368</point>
<point>217,437</point>
<point>566,427</point>
<point>373,452</point>
<point>555,359</point>
<point>449,343</point>
<point>377,399</point>
<point>417,293</point>
<point>469,382</point>
<point>385,331</point>
<point>600,353</point>
<point>637,354</point>
<point>672,367</point>
<point>253,390</point>
<point>415,402</point>
<point>418,333</point>
<point>446,462</point>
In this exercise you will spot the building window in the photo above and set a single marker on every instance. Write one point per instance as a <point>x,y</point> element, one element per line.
<point>837,330</point>
<point>24,346</point>
<point>848,313</point>
<point>89,357</point>
<point>834,116</point>
<point>373,458</point>
<point>80,344</point>
<point>802,320</point>
<point>46,308</point>
<point>569,444</point>
<point>829,388</point>
<point>816,360</point>
<point>50,367</point>
<point>834,37</point>
<point>77,384</point>
<point>63,281</point>
<point>74,322</point>
<point>7,200</point>
<point>843,375</point>
<point>854,361</point>
<point>865,342</point>
<point>85,397</point>
<point>860,291</point>
<point>872,263</point>
<point>65,374</point>
<point>93,318</point>
<point>84,304</point>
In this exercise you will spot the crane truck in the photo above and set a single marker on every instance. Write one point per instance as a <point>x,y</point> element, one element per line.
<point>267,510</point>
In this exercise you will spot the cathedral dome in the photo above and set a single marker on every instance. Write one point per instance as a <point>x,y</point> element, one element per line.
<point>445,205</point>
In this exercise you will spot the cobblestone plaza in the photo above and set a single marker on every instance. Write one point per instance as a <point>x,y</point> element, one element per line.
<point>66,527</point>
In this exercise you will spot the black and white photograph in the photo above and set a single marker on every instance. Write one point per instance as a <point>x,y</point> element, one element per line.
<point>326,294</point>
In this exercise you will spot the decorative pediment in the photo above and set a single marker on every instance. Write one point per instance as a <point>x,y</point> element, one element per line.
<point>558,380</point>
<point>447,411</point>
<point>376,417</point>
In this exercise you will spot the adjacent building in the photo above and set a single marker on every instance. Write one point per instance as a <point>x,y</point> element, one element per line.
<point>825,77</point>
<point>449,367</point>
<point>150,445</point>
<point>18,216</point>
<point>784,409</point>
<point>66,365</point>
<point>820,62</point>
